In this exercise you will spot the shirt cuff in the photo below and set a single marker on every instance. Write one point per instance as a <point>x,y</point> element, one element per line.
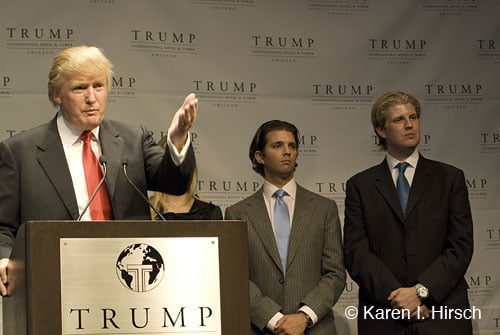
<point>271,325</point>
<point>306,309</point>
<point>178,157</point>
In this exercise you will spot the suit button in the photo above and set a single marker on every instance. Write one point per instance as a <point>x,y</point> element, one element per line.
<point>282,281</point>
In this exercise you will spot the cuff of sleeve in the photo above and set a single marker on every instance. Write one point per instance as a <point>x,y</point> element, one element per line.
<point>271,325</point>
<point>309,312</point>
<point>178,157</point>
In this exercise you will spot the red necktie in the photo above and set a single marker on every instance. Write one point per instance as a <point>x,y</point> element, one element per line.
<point>100,208</point>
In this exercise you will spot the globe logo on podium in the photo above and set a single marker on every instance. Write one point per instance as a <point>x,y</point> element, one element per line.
<point>140,267</point>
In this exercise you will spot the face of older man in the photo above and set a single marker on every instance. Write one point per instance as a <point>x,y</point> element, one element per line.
<point>82,99</point>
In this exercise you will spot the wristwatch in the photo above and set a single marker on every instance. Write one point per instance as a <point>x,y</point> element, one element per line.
<point>422,291</point>
<point>308,318</point>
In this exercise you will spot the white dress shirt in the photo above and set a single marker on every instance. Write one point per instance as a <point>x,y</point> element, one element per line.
<point>73,146</point>
<point>410,170</point>
<point>290,188</point>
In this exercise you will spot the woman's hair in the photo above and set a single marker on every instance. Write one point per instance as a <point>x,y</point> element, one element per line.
<point>158,198</point>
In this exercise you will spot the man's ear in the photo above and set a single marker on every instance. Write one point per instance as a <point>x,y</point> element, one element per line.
<point>380,132</point>
<point>258,157</point>
<point>56,98</point>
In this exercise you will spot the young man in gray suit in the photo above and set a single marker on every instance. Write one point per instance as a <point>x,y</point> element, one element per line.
<point>296,267</point>
<point>43,171</point>
<point>408,232</point>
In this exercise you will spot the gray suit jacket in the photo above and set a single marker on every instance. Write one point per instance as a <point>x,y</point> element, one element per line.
<point>315,269</point>
<point>35,181</point>
<point>432,245</point>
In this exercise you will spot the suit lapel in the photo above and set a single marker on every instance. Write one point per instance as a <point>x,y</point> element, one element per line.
<point>51,158</point>
<point>111,145</point>
<point>421,180</point>
<point>385,185</point>
<point>258,217</point>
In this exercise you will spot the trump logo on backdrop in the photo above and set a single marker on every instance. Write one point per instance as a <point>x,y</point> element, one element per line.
<point>140,267</point>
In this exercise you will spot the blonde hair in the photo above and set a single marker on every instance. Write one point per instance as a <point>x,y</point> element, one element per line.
<point>158,199</point>
<point>78,60</point>
<point>384,103</point>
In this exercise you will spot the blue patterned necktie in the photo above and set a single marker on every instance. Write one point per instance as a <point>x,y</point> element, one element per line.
<point>281,219</point>
<point>402,186</point>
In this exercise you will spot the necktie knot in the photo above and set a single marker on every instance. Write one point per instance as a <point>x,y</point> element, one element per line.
<point>279,194</point>
<point>402,167</point>
<point>86,136</point>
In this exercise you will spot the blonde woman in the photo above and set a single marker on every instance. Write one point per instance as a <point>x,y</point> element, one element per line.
<point>187,206</point>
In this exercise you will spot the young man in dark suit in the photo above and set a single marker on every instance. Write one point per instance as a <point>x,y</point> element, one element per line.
<point>408,236</point>
<point>43,171</point>
<point>298,275</point>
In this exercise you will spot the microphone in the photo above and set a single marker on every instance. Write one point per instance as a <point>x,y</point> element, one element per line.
<point>124,165</point>
<point>103,161</point>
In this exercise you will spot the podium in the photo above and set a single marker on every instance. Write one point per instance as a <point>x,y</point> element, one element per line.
<point>68,277</point>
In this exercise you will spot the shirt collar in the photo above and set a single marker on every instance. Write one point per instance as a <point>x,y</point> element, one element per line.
<point>70,134</point>
<point>290,188</point>
<point>412,160</point>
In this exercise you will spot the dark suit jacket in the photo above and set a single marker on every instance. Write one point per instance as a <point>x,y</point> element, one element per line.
<point>315,269</point>
<point>433,244</point>
<point>35,181</point>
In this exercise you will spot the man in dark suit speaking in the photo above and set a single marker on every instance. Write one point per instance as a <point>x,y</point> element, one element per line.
<point>50,172</point>
<point>295,246</point>
<point>408,234</point>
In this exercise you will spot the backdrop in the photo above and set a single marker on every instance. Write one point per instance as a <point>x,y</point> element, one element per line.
<point>319,64</point>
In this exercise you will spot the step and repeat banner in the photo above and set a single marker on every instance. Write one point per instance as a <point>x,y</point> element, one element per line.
<point>319,64</point>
